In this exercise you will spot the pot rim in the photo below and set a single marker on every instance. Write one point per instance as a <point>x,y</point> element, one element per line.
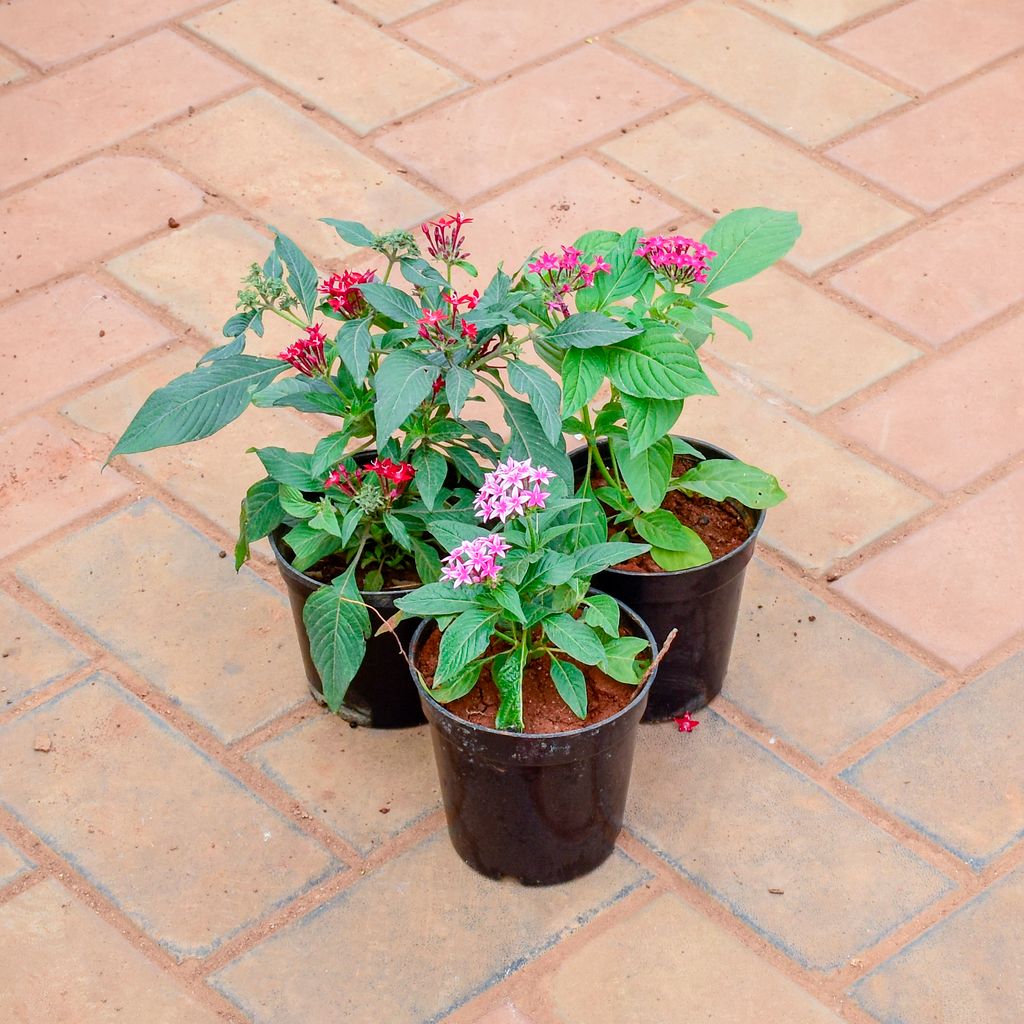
<point>737,551</point>
<point>641,691</point>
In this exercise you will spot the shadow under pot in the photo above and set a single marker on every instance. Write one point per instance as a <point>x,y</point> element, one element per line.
<point>541,808</point>
<point>702,603</point>
<point>381,695</point>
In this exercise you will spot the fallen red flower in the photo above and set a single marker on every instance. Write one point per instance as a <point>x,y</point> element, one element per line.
<point>686,723</point>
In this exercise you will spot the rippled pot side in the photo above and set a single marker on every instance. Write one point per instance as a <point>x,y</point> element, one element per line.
<point>702,603</point>
<point>535,807</point>
<point>381,695</point>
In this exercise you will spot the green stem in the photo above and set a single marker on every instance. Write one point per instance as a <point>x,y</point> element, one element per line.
<point>285,315</point>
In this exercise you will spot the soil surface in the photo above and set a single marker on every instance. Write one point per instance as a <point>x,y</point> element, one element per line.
<point>327,569</point>
<point>544,711</point>
<point>720,525</point>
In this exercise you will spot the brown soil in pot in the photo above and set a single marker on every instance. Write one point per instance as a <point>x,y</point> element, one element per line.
<point>327,569</point>
<point>544,711</point>
<point>720,525</point>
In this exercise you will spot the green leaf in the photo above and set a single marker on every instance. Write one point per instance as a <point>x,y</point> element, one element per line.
<point>681,447</point>
<point>419,273</point>
<point>337,624</point>
<point>295,504</point>
<point>672,561</point>
<point>197,404</point>
<point>657,365</point>
<point>457,385</point>
<point>458,687</point>
<point>555,568</point>
<point>239,323</point>
<point>571,685</point>
<point>301,393</point>
<point>602,613</point>
<point>590,525</point>
<point>354,342</point>
<point>263,512</point>
<point>649,419</point>
<point>328,452</point>
<point>469,469</point>
<point>528,439</point>
<point>302,276</point>
<point>310,545</point>
<point>543,394</point>
<point>350,523</point>
<point>398,530</point>
<point>402,382</point>
<point>734,321</point>
<point>431,469</point>
<point>573,637</point>
<point>450,533</point>
<point>428,562</point>
<point>620,659</point>
<point>463,641</point>
<point>272,265</point>
<point>666,534</point>
<point>719,479</point>
<point>506,595</point>
<point>326,519</point>
<point>352,232</point>
<point>242,544</point>
<point>508,678</point>
<point>599,557</point>
<point>646,475</point>
<point>596,242</point>
<point>435,599</point>
<point>292,468</point>
<point>583,371</point>
<point>746,242</point>
<point>627,276</point>
<point>392,302</point>
<point>232,348</point>
<point>590,330</point>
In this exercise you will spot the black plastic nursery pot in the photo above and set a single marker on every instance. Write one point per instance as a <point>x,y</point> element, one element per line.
<point>381,695</point>
<point>537,807</point>
<point>702,603</point>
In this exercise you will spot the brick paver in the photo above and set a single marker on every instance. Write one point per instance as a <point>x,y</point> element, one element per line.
<point>174,848</point>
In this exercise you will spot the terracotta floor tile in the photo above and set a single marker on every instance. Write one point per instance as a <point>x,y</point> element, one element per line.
<point>954,585</point>
<point>152,588</point>
<point>928,43</point>
<point>965,964</point>
<point>534,109</point>
<point>950,145</point>
<point>513,34</point>
<point>88,329</point>
<point>83,214</point>
<point>942,279</point>
<point>246,148</point>
<point>955,418</point>
<point>30,28</point>
<point>555,208</point>
<point>781,831</point>
<point>47,481</point>
<point>837,502</point>
<point>506,1014</point>
<point>104,101</point>
<point>817,16</point>
<point>61,962</point>
<point>273,38</point>
<point>391,10</point>
<point>33,654</point>
<point>806,347</point>
<point>165,833</point>
<point>715,162</point>
<point>12,864</point>
<point>9,71</point>
<point>732,54</point>
<point>487,932</point>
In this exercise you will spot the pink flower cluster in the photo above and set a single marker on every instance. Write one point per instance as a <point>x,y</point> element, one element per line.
<point>444,237</point>
<point>343,294</point>
<point>394,477</point>
<point>475,561</point>
<point>566,273</point>
<point>684,260</point>
<point>307,354</point>
<point>511,490</point>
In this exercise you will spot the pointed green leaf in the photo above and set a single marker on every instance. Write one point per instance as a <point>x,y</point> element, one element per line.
<point>590,330</point>
<point>435,599</point>
<point>747,242</point>
<point>646,475</point>
<point>460,686</point>
<point>310,545</point>
<point>328,452</point>
<point>649,419</point>
<point>295,504</point>
<point>598,557</point>
<point>507,596</point>
<point>571,685</point>
<point>302,276</point>
<point>583,371</point>
<point>402,382</point>
<point>671,541</point>
<point>543,393</point>
<point>507,673</point>
<point>457,385</point>
<point>353,342</point>
<point>574,638</point>
<point>621,659</point>
<point>462,642</point>
<point>291,468</point>
<point>431,469</point>
<point>263,512</point>
<point>302,393</point>
<point>602,613</point>
<point>657,365</point>
<point>392,302</point>
<point>528,439</point>
<point>719,479</point>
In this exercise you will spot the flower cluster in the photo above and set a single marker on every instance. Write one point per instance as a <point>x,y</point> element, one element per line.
<point>431,323</point>
<point>566,273</point>
<point>511,490</point>
<point>444,237</point>
<point>394,477</point>
<point>343,294</point>
<point>307,354</point>
<point>683,260</point>
<point>475,561</point>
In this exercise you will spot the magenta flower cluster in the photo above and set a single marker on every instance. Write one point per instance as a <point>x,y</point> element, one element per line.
<point>475,561</point>
<point>511,490</point>
<point>566,273</point>
<point>684,260</point>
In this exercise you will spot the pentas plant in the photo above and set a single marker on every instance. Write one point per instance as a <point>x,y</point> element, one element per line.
<point>516,590</point>
<point>629,325</point>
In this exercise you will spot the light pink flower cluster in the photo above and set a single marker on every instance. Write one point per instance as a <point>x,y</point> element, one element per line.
<point>564,274</point>
<point>512,489</point>
<point>682,259</point>
<point>475,561</point>
<point>307,354</point>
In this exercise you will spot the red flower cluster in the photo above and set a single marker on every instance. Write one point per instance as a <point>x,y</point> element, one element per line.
<point>430,324</point>
<point>564,274</point>
<point>307,354</point>
<point>683,259</point>
<point>343,294</point>
<point>444,237</point>
<point>394,477</point>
